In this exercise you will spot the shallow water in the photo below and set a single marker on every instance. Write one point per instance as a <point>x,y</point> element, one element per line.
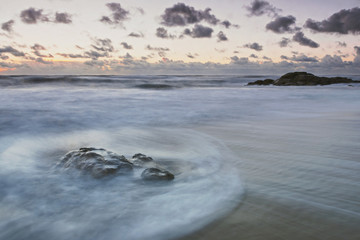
<point>42,119</point>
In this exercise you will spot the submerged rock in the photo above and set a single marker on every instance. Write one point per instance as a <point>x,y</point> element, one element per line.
<point>97,161</point>
<point>100,163</point>
<point>303,79</point>
<point>156,174</point>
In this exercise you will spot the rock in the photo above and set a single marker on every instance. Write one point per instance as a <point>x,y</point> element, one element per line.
<point>156,174</point>
<point>303,79</point>
<point>141,160</point>
<point>262,82</point>
<point>97,161</point>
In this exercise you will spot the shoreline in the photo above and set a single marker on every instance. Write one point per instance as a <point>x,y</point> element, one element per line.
<point>287,195</point>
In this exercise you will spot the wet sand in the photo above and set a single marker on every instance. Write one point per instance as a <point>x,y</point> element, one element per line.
<point>301,175</point>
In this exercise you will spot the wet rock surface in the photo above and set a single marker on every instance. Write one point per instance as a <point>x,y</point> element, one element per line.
<point>156,174</point>
<point>303,79</point>
<point>100,163</point>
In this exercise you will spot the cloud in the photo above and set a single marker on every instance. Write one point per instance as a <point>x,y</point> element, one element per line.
<point>71,55</point>
<point>32,16</point>
<point>163,33</point>
<point>103,45</point>
<point>118,15</point>
<point>136,35</point>
<point>282,24</point>
<point>284,42</point>
<point>126,45</point>
<point>253,56</point>
<point>221,37</point>
<point>95,55</point>
<point>357,50</point>
<point>63,18</point>
<point>255,46</point>
<point>303,58</point>
<point>341,44</point>
<point>342,22</point>
<point>304,41</point>
<point>228,24</point>
<point>8,26</point>
<point>240,61</point>
<point>40,60</point>
<point>148,47</point>
<point>199,31</point>
<point>260,7</point>
<point>182,15</point>
<point>37,48</point>
<point>192,56</point>
<point>12,51</point>
<point>267,58</point>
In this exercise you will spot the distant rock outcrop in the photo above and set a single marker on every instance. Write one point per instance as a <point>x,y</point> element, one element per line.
<point>303,79</point>
<point>100,163</point>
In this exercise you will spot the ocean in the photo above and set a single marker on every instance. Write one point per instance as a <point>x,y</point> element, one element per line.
<point>224,141</point>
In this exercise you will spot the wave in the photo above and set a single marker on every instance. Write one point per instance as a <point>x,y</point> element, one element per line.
<point>37,200</point>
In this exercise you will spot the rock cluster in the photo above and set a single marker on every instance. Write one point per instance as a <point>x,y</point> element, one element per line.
<point>100,163</point>
<point>303,79</point>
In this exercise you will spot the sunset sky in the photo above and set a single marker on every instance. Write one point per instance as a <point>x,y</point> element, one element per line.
<point>179,37</point>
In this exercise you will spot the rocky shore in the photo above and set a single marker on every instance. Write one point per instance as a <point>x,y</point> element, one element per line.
<point>302,79</point>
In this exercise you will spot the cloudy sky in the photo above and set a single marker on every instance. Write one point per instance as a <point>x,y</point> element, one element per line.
<point>179,37</point>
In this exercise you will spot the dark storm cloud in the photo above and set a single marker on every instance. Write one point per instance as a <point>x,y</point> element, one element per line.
<point>3,57</point>
<point>260,7</point>
<point>304,41</point>
<point>284,42</point>
<point>343,22</point>
<point>199,31</point>
<point>221,37</point>
<point>118,15</point>
<point>163,33</point>
<point>282,24</point>
<point>8,26</point>
<point>254,46</point>
<point>103,45</point>
<point>126,45</point>
<point>63,18</point>
<point>12,51</point>
<point>32,16</point>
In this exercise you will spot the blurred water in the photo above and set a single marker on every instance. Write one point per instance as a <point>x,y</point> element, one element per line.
<point>43,117</point>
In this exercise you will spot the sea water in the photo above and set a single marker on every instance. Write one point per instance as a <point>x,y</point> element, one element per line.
<point>43,117</point>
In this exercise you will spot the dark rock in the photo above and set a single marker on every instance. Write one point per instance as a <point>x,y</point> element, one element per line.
<point>156,174</point>
<point>97,161</point>
<point>303,79</point>
<point>262,82</point>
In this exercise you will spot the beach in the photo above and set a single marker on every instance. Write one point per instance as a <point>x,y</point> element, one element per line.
<point>302,185</point>
<point>250,162</point>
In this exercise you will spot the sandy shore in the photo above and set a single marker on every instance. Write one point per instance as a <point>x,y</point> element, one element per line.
<point>301,177</point>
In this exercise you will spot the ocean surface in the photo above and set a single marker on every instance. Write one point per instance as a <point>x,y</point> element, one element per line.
<point>185,122</point>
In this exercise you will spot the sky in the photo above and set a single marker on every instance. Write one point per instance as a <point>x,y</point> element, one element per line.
<point>179,37</point>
